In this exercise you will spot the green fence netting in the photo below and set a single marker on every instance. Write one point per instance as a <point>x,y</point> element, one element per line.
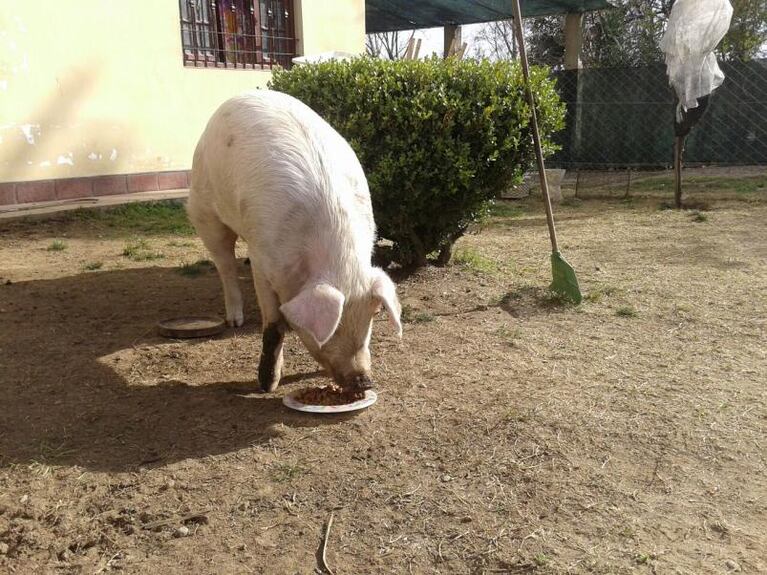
<point>392,15</point>
<point>624,117</point>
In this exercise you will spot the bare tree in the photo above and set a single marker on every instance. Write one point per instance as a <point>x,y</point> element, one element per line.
<point>389,45</point>
<point>495,40</point>
<point>627,35</point>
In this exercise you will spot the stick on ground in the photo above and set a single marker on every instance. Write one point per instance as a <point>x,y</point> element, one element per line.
<point>324,547</point>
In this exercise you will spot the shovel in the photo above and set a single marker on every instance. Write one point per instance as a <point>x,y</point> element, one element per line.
<point>565,282</point>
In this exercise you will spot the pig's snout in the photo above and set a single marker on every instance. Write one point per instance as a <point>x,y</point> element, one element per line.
<point>360,382</point>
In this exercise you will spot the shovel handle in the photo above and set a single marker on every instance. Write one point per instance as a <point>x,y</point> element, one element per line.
<point>534,119</point>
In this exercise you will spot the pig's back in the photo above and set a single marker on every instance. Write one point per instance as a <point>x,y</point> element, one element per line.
<point>281,177</point>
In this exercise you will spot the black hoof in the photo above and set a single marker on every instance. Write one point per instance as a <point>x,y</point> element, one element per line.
<point>361,383</point>
<point>268,386</point>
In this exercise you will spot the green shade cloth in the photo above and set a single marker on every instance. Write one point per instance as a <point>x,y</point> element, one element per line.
<point>391,15</point>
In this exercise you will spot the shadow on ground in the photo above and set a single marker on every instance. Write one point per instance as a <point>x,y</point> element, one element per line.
<point>62,406</point>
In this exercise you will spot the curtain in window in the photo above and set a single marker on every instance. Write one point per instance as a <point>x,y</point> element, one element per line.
<point>237,32</point>
<point>237,21</point>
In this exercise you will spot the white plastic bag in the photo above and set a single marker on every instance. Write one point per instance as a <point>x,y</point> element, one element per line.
<point>695,27</point>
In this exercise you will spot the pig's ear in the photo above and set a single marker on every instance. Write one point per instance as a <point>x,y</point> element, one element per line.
<point>384,290</point>
<point>317,310</point>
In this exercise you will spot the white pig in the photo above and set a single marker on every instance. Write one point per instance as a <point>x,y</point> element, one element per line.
<point>271,171</point>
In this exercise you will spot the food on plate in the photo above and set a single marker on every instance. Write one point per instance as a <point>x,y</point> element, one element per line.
<point>329,395</point>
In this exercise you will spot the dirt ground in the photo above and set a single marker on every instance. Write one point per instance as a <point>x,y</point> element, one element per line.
<point>512,434</point>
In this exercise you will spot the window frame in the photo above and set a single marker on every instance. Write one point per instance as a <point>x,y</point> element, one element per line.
<point>237,34</point>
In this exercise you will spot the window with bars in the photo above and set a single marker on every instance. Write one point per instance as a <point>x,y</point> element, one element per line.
<point>237,33</point>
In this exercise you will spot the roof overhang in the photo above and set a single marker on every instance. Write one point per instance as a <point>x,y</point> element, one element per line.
<point>393,15</point>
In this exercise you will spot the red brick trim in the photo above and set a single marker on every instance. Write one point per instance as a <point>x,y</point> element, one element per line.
<point>73,188</point>
<point>7,194</point>
<point>39,191</point>
<point>142,182</point>
<point>172,180</point>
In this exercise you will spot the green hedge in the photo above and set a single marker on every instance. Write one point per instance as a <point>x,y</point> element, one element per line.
<point>438,139</point>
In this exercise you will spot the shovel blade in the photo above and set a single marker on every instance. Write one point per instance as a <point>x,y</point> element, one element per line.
<point>565,281</point>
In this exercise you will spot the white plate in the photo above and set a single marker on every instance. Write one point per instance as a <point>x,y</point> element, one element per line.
<point>291,402</point>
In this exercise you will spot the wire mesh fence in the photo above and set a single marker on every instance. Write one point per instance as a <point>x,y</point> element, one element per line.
<point>619,134</point>
<point>624,117</point>
<point>719,182</point>
<point>700,183</point>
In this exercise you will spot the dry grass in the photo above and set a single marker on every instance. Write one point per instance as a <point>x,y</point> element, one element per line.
<point>513,434</point>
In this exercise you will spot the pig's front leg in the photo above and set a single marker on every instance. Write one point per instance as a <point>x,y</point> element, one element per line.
<point>274,328</point>
<point>270,364</point>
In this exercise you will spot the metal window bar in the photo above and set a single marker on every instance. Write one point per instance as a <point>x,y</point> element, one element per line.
<point>245,34</point>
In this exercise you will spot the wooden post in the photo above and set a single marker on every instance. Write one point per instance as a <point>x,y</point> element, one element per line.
<point>678,151</point>
<point>577,181</point>
<point>573,89</point>
<point>573,41</point>
<point>452,38</point>
<point>409,50</point>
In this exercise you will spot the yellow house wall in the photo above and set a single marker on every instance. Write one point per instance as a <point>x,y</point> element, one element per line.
<point>99,87</point>
<point>331,25</point>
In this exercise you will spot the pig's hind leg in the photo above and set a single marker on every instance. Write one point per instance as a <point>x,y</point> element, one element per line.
<point>220,241</point>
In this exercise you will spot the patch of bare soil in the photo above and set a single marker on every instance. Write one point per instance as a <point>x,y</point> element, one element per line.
<point>511,435</point>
